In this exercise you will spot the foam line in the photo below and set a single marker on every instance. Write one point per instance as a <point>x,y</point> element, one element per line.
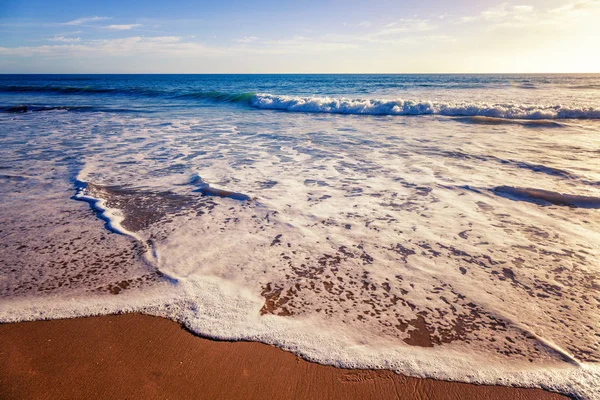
<point>112,217</point>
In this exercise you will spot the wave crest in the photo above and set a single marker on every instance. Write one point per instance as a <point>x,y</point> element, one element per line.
<point>407,107</point>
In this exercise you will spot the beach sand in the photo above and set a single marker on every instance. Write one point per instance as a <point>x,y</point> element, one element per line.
<point>136,356</point>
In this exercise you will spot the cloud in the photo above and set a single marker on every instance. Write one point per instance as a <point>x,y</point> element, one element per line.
<point>501,12</point>
<point>124,27</point>
<point>365,24</point>
<point>171,46</point>
<point>71,33</point>
<point>523,8</point>
<point>404,26</point>
<point>130,46</point>
<point>570,16</point>
<point>302,44</point>
<point>399,31</point>
<point>247,39</point>
<point>64,39</point>
<point>524,15</point>
<point>495,13</point>
<point>85,20</point>
<point>576,6</point>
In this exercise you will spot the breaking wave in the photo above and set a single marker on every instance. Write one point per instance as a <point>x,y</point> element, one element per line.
<point>328,105</point>
<point>408,107</point>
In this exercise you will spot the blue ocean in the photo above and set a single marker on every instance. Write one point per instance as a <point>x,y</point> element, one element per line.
<point>501,96</point>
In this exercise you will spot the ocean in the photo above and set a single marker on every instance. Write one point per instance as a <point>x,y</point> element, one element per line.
<point>443,226</point>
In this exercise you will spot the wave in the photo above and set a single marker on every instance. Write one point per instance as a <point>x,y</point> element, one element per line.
<point>547,196</point>
<point>523,85</point>
<point>537,123</point>
<point>220,97</point>
<point>585,87</point>
<point>408,107</point>
<point>214,96</point>
<point>337,105</point>
<point>24,108</point>
<point>78,90</point>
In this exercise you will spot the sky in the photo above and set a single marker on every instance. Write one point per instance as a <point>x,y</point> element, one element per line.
<point>264,36</point>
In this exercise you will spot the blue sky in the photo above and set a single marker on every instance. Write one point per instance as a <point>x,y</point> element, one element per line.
<point>65,36</point>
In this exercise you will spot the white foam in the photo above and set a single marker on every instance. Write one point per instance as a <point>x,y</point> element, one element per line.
<point>392,183</point>
<point>113,217</point>
<point>213,308</point>
<point>407,107</point>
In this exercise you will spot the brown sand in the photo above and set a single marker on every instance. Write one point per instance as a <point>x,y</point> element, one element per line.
<point>135,356</point>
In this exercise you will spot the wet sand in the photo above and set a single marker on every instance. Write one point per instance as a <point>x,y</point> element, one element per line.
<point>136,356</point>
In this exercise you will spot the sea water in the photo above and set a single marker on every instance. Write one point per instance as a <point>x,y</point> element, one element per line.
<point>445,226</point>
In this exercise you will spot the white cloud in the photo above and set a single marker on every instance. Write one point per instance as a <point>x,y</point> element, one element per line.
<point>500,12</point>
<point>130,46</point>
<point>495,13</point>
<point>404,26</point>
<point>85,20</point>
<point>467,18</point>
<point>524,15</point>
<point>64,39</point>
<point>576,6</point>
<point>71,33</point>
<point>123,27</point>
<point>365,24</point>
<point>170,46</point>
<point>523,8</point>
<point>247,39</point>
<point>527,18</point>
<point>303,44</point>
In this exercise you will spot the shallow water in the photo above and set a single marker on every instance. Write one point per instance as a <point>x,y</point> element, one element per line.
<point>459,247</point>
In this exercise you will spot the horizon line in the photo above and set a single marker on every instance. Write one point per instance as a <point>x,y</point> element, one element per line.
<point>300,73</point>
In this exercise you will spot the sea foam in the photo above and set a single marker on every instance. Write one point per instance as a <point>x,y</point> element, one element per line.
<point>408,107</point>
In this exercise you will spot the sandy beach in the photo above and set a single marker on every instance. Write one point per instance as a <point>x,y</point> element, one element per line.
<point>136,356</point>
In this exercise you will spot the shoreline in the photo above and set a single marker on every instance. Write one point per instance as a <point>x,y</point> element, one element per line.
<point>141,356</point>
